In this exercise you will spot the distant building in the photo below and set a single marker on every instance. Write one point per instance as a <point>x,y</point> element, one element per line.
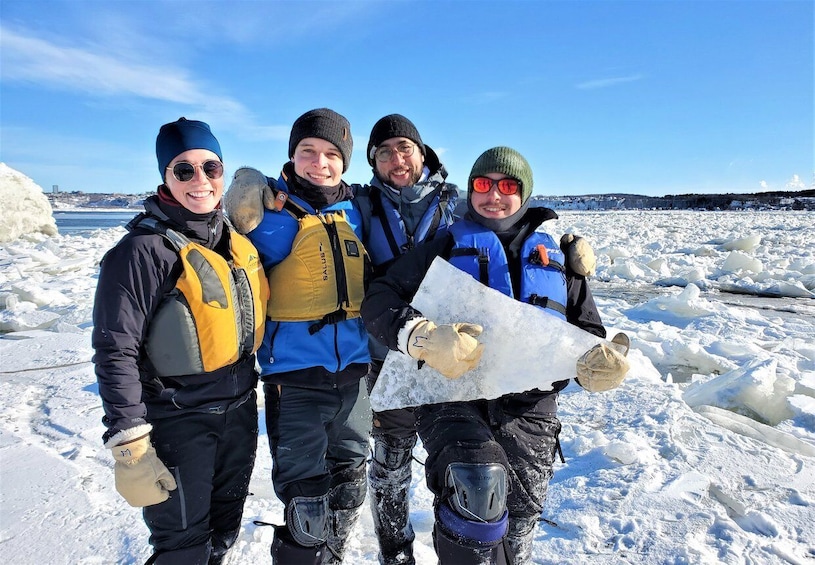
<point>55,189</point>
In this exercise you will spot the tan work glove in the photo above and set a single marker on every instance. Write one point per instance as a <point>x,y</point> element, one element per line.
<point>141,477</point>
<point>579,254</point>
<point>451,349</point>
<point>604,367</point>
<point>247,198</point>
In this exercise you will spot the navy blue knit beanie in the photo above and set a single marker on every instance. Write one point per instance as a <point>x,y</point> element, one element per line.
<point>182,135</point>
<point>324,124</point>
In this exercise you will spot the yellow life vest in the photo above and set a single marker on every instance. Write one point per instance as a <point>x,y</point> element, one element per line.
<point>323,278</point>
<point>215,313</point>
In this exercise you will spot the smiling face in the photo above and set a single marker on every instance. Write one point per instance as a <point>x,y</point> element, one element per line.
<point>494,204</point>
<point>400,171</point>
<point>200,194</point>
<point>318,161</point>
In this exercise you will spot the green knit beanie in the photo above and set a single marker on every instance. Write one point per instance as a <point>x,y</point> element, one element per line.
<point>506,161</point>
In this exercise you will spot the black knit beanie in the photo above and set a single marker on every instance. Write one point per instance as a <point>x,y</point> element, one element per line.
<point>325,124</point>
<point>392,125</point>
<point>182,135</point>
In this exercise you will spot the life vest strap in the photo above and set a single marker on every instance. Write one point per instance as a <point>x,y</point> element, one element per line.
<point>463,251</point>
<point>546,302</point>
<point>484,265</point>
<point>334,317</point>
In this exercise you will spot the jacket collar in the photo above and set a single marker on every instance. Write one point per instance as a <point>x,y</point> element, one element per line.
<point>205,229</point>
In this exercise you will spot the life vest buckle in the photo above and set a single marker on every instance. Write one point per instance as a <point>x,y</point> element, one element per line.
<point>539,256</point>
<point>334,317</point>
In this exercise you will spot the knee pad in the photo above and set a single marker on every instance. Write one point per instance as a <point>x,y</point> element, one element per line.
<point>348,495</point>
<point>478,490</point>
<point>393,454</point>
<point>307,520</point>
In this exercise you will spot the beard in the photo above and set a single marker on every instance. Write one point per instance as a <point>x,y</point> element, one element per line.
<point>414,174</point>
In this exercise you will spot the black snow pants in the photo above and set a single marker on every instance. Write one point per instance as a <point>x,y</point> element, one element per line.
<point>319,444</point>
<point>517,431</point>
<point>211,457</point>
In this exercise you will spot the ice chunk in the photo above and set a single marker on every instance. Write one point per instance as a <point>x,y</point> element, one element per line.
<point>742,244</point>
<point>737,261</point>
<point>25,207</point>
<point>678,310</point>
<point>754,390</point>
<point>756,430</point>
<point>518,339</point>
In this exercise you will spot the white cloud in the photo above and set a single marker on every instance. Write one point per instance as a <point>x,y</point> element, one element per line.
<point>795,183</point>
<point>606,82</point>
<point>102,73</point>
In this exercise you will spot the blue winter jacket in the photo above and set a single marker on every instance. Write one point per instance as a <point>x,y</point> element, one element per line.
<point>290,355</point>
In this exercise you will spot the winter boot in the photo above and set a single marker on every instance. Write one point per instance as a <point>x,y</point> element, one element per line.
<point>389,476</point>
<point>285,551</point>
<point>345,505</point>
<point>518,543</point>
<point>221,542</point>
<point>455,550</point>
<point>195,554</point>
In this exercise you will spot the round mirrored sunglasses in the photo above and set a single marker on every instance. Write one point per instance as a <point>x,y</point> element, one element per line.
<point>183,171</point>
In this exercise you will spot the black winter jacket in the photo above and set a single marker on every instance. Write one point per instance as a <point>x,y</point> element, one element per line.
<point>134,278</point>
<point>386,307</point>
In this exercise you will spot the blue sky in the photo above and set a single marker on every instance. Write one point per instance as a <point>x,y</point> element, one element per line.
<point>647,97</point>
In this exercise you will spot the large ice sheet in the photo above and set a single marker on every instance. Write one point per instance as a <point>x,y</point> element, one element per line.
<point>525,348</point>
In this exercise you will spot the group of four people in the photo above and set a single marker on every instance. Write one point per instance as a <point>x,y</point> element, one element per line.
<point>312,278</point>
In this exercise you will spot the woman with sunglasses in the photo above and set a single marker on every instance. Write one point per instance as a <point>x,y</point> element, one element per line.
<point>489,461</point>
<point>178,316</point>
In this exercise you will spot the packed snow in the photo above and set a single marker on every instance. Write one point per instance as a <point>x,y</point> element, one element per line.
<point>704,455</point>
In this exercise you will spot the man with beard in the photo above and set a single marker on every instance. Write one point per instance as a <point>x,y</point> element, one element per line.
<point>408,201</point>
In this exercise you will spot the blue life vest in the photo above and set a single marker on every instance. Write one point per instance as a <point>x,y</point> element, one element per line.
<point>387,237</point>
<point>479,252</point>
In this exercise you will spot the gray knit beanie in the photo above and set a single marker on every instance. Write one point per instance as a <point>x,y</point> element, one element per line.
<point>324,124</point>
<point>506,161</point>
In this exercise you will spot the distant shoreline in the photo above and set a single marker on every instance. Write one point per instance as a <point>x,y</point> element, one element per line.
<point>776,200</point>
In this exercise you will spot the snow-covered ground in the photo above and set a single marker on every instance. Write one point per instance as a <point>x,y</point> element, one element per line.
<point>705,454</point>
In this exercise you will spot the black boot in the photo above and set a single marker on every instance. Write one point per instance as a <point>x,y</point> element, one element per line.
<point>454,550</point>
<point>285,551</point>
<point>221,542</point>
<point>342,523</point>
<point>518,543</point>
<point>345,504</point>
<point>195,554</point>
<point>389,476</point>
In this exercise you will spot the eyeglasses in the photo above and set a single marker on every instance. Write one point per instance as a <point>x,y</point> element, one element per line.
<point>183,171</point>
<point>384,154</point>
<point>505,186</point>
